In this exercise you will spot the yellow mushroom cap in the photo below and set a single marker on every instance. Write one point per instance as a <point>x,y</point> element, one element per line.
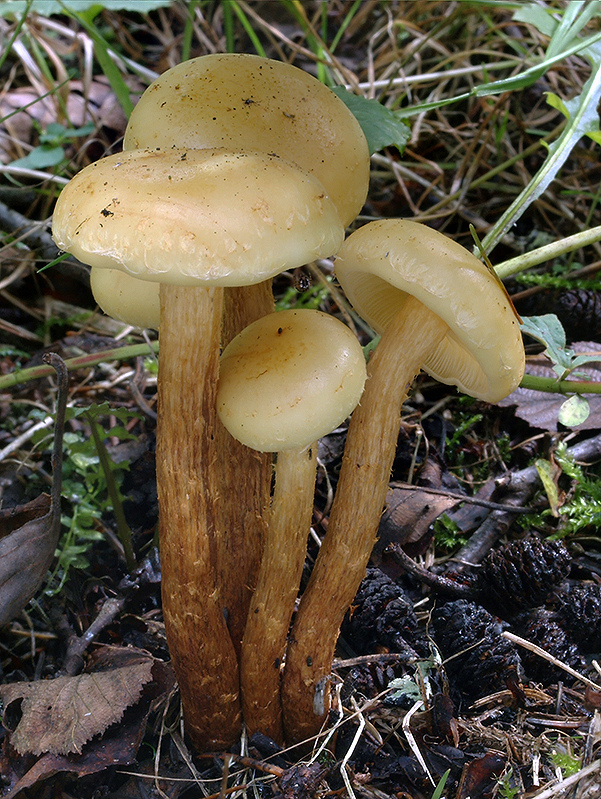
<point>191,217</point>
<point>288,379</point>
<point>384,262</point>
<point>126,298</point>
<point>248,103</point>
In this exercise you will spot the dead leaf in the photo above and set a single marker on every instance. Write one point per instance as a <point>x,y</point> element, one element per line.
<point>27,544</point>
<point>29,533</point>
<point>59,716</point>
<point>24,112</point>
<point>540,408</point>
<point>117,746</point>
<point>409,512</point>
<point>118,750</point>
<point>480,775</point>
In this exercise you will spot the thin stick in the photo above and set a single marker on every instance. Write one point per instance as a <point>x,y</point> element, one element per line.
<point>546,656</point>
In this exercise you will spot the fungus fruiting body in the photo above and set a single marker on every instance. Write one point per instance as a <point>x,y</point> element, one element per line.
<point>194,221</point>
<point>249,104</point>
<point>439,308</point>
<point>285,381</point>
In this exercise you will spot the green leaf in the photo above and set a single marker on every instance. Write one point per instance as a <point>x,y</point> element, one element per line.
<point>574,411</point>
<point>440,787</point>
<point>48,7</point>
<point>381,126</point>
<point>556,102</point>
<point>547,473</point>
<point>549,331</point>
<point>41,158</point>
<point>536,15</point>
<point>583,120</point>
<point>108,66</point>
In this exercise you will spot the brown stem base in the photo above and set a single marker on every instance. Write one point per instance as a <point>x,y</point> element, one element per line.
<point>273,601</point>
<point>244,480</point>
<point>353,525</point>
<point>201,650</point>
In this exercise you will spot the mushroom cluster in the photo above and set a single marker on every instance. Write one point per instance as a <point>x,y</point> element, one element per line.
<point>236,168</point>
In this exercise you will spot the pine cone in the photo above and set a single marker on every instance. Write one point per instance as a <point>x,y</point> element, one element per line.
<point>578,309</point>
<point>578,611</point>
<point>540,628</point>
<point>520,575</point>
<point>478,659</point>
<point>381,616</point>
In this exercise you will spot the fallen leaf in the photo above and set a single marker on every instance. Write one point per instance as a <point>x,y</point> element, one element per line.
<point>409,512</point>
<point>118,746</point>
<point>480,775</point>
<point>29,533</point>
<point>118,750</point>
<point>540,408</point>
<point>59,716</point>
<point>28,539</point>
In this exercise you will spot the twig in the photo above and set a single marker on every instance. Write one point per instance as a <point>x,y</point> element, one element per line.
<point>80,362</point>
<point>521,485</point>
<point>78,644</point>
<point>33,235</point>
<point>558,787</point>
<point>16,443</point>
<point>442,584</point>
<point>57,363</point>
<point>463,498</point>
<point>546,656</point>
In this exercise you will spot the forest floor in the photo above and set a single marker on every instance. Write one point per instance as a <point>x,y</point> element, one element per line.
<point>467,667</point>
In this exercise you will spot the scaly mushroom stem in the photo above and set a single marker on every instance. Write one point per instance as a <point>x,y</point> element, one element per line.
<point>273,601</point>
<point>201,650</point>
<point>352,529</point>
<point>244,480</point>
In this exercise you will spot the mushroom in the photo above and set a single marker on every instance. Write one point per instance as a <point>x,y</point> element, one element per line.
<point>247,103</point>
<point>440,309</point>
<point>194,221</point>
<point>126,298</point>
<point>285,381</point>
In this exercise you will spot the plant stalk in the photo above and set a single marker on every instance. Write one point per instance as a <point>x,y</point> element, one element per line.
<point>201,649</point>
<point>354,520</point>
<point>273,601</point>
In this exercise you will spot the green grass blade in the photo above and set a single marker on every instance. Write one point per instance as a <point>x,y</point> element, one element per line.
<point>248,28</point>
<point>578,126</point>
<point>228,27</point>
<point>108,66</point>
<point>16,32</point>
<point>188,30</point>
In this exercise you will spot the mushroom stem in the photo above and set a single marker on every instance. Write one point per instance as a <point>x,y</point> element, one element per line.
<point>369,452</point>
<point>273,601</point>
<point>245,479</point>
<point>201,650</point>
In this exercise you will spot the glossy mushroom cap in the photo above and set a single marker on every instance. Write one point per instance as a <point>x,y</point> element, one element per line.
<point>248,103</point>
<point>188,217</point>
<point>126,298</point>
<point>383,263</point>
<point>288,379</point>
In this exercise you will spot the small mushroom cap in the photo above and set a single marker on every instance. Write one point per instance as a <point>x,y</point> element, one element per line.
<point>126,298</point>
<point>245,102</point>
<point>384,262</point>
<point>189,217</point>
<point>288,379</point>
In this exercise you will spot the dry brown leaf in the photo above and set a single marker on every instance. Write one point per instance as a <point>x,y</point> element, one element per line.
<point>28,538</point>
<point>541,409</point>
<point>59,716</point>
<point>29,533</point>
<point>409,512</point>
